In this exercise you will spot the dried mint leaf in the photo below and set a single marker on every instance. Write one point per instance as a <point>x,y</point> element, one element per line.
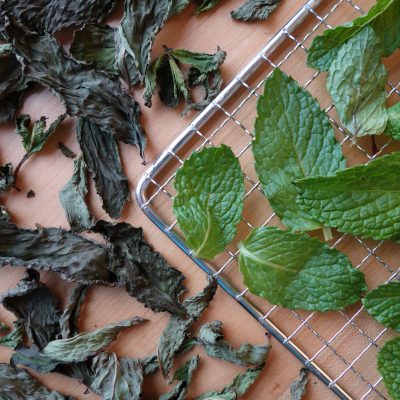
<point>66,151</point>
<point>3,327</point>
<point>17,384</point>
<point>237,388</point>
<point>389,366</point>
<point>298,388</point>
<point>298,272</point>
<point>15,337</point>
<point>73,257</point>
<point>383,304</point>
<point>5,216</point>
<point>212,338</point>
<point>209,202</point>
<point>30,194</point>
<point>85,91</point>
<point>7,179</point>
<point>255,10</point>
<point>206,5</point>
<point>72,198</point>
<point>383,18</point>
<point>34,304</point>
<point>177,330</point>
<point>359,102</point>
<point>100,152</point>
<point>184,375</point>
<point>178,6</point>
<point>363,200</point>
<point>293,139</point>
<point>144,272</point>
<point>393,124</point>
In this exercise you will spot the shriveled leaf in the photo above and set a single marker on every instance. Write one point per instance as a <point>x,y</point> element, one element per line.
<point>17,384</point>
<point>389,366</point>
<point>362,200</point>
<point>383,303</point>
<point>356,82</point>
<point>15,337</point>
<point>298,272</point>
<point>85,91</point>
<point>393,124</point>
<point>212,338</point>
<point>5,216</point>
<point>72,198</point>
<point>177,330</point>
<point>34,304</point>
<point>383,18</point>
<point>255,10</point>
<point>237,388</point>
<point>184,375</point>
<point>209,202</point>
<point>144,272</point>
<point>178,6</point>
<point>206,5</point>
<point>298,388</point>
<point>66,150</point>
<point>7,179</point>
<point>100,152</point>
<point>73,257</point>
<point>294,139</point>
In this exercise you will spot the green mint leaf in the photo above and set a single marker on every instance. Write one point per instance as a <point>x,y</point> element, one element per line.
<point>389,367</point>
<point>211,337</point>
<point>72,198</point>
<point>293,139</point>
<point>356,82</point>
<point>100,152</point>
<point>298,388</point>
<point>209,203</point>
<point>237,388</point>
<point>393,124</point>
<point>15,337</point>
<point>382,18</point>
<point>383,303</point>
<point>206,5</point>
<point>255,10</point>
<point>298,272</point>
<point>362,200</point>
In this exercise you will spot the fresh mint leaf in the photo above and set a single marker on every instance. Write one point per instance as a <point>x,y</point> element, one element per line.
<point>362,200</point>
<point>393,124</point>
<point>383,303</point>
<point>389,366</point>
<point>15,337</point>
<point>356,82</point>
<point>298,387</point>
<point>382,18</point>
<point>209,203</point>
<point>255,10</point>
<point>293,139</point>
<point>298,272</point>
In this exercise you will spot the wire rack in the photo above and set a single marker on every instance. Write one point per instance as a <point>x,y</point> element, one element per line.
<point>340,348</point>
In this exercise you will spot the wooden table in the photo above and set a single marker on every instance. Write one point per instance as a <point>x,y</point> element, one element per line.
<point>47,172</point>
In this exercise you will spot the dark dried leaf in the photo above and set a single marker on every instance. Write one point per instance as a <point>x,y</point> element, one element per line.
<point>30,194</point>
<point>33,358</point>
<point>85,91</point>
<point>298,387</point>
<point>17,384</point>
<point>66,151</point>
<point>150,364</point>
<point>100,153</point>
<point>6,177</point>
<point>255,10</point>
<point>145,273</point>
<point>178,6</point>
<point>3,327</point>
<point>15,337</point>
<point>5,216</point>
<point>177,330</point>
<point>211,337</point>
<point>33,303</point>
<point>72,198</point>
<point>73,257</point>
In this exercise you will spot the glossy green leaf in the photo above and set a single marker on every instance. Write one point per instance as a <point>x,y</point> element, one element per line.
<point>393,124</point>
<point>383,17</point>
<point>15,337</point>
<point>389,367</point>
<point>293,139</point>
<point>298,388</point>
<point>72,199</point>
<point>356,82</point>
<point>209,202</point>
<point>383,303</point>
<point>362,200</point>
<point>255,10</point>
<point>298,272</point>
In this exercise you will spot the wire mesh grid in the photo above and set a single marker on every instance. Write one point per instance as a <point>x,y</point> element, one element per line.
<point>340,348</point>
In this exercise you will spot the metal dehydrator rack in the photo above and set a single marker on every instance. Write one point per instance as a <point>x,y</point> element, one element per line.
<point>338,347</point>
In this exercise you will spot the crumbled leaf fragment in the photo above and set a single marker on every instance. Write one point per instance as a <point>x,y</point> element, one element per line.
<point>72,198</point>
<point>15,337</point>
<point>393,124</point>
<point>389,366</point>
<point>293,139</point>
<point>383,304</point>
<point>209,202</point>
<point>5,216</point>
<point>66,150</point>
<point>206,5</point>
<point>363,200</point>
<point>178,6</point>
<point>255,10</point>
<point>7,179</point>
<point>298,388</point>
<point>298,272</point>
<point>30,194</point>
<point>211,337</point>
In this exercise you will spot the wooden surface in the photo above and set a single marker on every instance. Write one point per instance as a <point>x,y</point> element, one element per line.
<point>47,172</point>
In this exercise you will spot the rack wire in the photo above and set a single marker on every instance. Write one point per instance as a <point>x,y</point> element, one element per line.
<point>340,348</point>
